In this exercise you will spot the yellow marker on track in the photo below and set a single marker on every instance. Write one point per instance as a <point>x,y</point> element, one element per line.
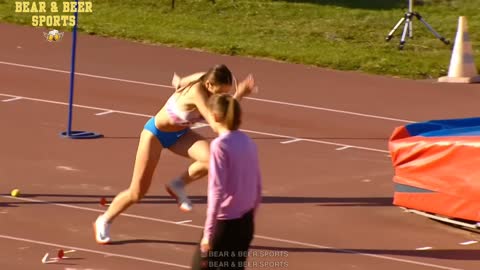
<point>15,193</point>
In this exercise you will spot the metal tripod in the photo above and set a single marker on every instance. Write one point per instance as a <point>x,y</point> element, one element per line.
<point>409,26</point>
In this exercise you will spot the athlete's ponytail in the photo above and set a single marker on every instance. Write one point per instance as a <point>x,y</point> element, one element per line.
<point>190,84</point>
<point>219,75</point>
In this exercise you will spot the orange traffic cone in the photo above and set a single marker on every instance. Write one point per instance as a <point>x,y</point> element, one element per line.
<point>462,65</point>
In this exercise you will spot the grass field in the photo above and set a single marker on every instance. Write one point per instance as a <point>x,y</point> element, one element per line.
<point>339,34</point>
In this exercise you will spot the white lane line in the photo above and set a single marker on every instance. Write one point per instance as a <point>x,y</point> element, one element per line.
<point>332,110</point>
<point>274,239</point>
<point>314,141</point>
<point>66,168</point>
<point>11,99</point>
<point>199,125</point>
<point>184,221</point>
<point>245,130</point>
<point>342,148</point>
<point>76,105</point>
<point>423,248</point>
<point>104,113</point>
<point>92,251</point>
<point>291,141</point>
<point>84,74</point>
<point>249,98</point>
<point>468,243</point>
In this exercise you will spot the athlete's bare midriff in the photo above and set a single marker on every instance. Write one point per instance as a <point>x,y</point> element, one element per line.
<point>164,123</point>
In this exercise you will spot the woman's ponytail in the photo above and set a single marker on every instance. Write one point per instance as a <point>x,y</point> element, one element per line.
<point>230,117</point>
<point>228,108</point>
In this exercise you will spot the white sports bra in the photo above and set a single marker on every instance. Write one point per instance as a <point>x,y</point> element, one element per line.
<point>180,117</point>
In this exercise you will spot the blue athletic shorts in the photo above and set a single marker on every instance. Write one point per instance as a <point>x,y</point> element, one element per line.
<point>167,139</point>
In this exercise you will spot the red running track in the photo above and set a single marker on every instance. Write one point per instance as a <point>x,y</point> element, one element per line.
<point>322,136</point>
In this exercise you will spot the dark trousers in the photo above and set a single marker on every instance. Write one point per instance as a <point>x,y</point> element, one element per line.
<point>229,246</point>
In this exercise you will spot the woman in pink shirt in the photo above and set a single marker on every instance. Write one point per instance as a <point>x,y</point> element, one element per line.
<point>234,190</point>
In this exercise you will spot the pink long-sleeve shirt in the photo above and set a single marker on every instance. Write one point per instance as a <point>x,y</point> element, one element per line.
<point>234,180</point>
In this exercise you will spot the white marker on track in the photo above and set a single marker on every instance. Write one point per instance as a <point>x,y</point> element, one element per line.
<point>469,243</point>
<point>423,248</point>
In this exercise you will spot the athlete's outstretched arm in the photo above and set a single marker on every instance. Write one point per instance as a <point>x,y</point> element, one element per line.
<point>245,88</point>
